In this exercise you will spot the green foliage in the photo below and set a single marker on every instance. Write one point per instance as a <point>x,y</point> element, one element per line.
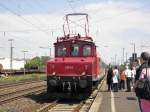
<point>44,59</point>
<point>36,62</point>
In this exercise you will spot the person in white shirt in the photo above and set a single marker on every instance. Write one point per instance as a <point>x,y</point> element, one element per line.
<point>115,79</point>
<point>128,74</point>
<point>133,71</point>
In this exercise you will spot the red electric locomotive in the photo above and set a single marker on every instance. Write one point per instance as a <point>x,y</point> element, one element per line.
<point>76,65</point>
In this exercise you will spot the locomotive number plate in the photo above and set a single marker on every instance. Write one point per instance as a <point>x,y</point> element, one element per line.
<point>69,67</point>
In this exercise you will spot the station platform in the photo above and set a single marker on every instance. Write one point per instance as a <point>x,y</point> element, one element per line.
<point>120,101</point>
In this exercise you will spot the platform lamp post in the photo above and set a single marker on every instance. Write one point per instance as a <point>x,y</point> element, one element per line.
<point>24,58</point>
<point>133,51</point>
<point>123,50</point>
<point>126,57</point>
<point>11,53</point>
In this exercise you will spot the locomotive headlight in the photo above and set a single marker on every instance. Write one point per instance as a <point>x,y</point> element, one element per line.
<point>54,73</point>
<point>83,76</point>
<point>83,73</point>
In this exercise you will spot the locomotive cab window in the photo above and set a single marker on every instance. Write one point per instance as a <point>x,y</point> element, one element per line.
<point>61,51</point>
<point>74,50</point>
<point>87,50</point>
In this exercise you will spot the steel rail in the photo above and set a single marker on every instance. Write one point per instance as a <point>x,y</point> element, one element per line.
<point>55,106</point>
<point>48,106</point>
<point>18,94</point>
<point>5,85</point>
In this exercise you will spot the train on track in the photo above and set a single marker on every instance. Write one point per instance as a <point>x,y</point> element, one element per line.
<point>21,72</point>
<point>76,66</point>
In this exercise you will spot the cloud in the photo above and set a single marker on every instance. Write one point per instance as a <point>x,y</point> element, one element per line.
<point>115,24</point>
<point>29,33</point>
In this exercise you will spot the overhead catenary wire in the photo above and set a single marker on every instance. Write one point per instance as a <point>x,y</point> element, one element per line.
<point>21,38</point>
<point>25,45</point>
<point>38,3</point>
<point>115,16</point>
<point>43,7</point>
<point>31,6</point>
<point>45,30</point>
<point>83,4</point>
<point>70,3</point>
<point>21,17</point>
<point>26,20</point>
<point>120,14</point>
<point>35,18</point>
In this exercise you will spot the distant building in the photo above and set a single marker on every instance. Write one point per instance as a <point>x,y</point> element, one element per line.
<point>17,64</point>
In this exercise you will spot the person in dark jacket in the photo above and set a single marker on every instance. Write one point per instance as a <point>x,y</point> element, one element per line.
<point>144,64</point>
<point>109,77</point>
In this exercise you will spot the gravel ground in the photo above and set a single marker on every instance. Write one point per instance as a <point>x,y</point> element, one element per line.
<point>29,103</point>
<point>26,104</point>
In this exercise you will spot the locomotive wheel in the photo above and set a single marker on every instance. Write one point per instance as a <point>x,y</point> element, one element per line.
<point>87,90</point>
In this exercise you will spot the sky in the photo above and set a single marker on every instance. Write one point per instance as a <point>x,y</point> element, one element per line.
<point>114,25</point>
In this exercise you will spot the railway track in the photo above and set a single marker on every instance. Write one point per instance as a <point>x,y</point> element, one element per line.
<point>61,107</point>
<point>6,85</point>
<point>82,106</point>
<point>4,98</point>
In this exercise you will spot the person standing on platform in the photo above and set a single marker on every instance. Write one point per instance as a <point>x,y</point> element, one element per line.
<point>109,77</point>
<point>128,75</point>
<point>115,79</point>
<point>133,71</point>
<point>122,79</point>
<point>143,70</point>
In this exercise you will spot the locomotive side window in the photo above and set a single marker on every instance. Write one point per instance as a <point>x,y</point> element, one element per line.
<point>87,50</point>
<point>61,51</point>
<point>74,50</point>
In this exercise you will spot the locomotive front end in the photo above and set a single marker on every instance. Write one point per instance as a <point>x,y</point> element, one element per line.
<point>70,74</point>
<point>76,66</point>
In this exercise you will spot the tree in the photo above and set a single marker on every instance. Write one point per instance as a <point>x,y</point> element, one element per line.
<point>44,60</point>
<point>36,62</point>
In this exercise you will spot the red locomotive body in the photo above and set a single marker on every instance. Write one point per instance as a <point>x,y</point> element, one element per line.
<point>75,66</point>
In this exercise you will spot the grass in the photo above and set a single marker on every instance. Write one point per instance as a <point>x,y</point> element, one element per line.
<point>2,111</point>
<point>23,78</point>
